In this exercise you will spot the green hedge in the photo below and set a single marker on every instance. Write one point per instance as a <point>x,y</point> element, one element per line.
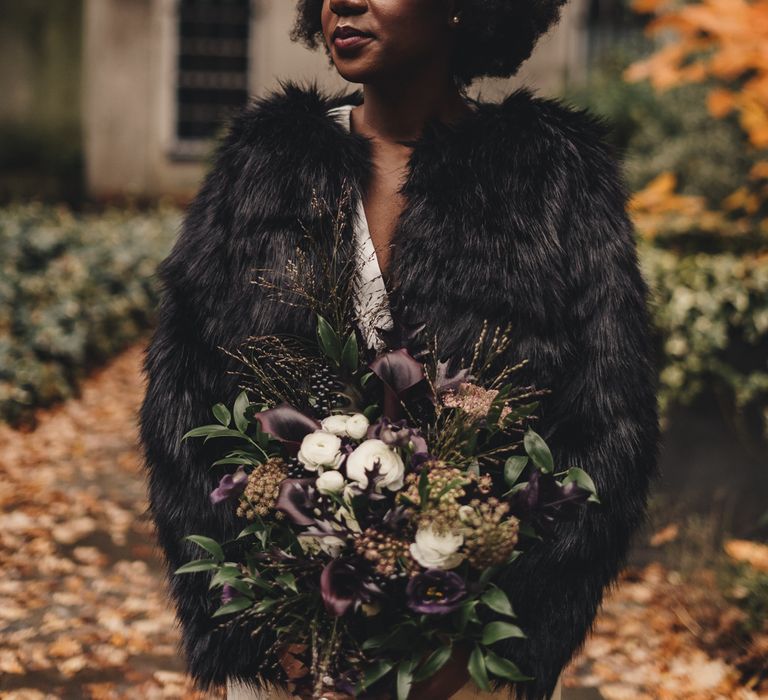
<point>74,290</point>
<point>711,313</point>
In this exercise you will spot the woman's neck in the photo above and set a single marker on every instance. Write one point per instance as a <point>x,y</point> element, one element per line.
<point>398,112</point>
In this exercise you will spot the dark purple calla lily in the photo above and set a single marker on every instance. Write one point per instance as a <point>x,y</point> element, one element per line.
<point>287,424</point>
<point>543,500</point>
<point>400,373</point>
<point>435,592</point>
<point>230,486</point>
<point>296,499</point>
<point>343,585</point>
<point>398,370</point>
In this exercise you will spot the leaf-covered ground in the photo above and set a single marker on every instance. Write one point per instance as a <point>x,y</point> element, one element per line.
<point>83,612</point>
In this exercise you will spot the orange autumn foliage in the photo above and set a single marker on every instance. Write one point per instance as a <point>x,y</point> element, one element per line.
<point>726,42</point>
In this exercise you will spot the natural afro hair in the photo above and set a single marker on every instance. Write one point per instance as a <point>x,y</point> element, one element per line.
<point>495,36</point>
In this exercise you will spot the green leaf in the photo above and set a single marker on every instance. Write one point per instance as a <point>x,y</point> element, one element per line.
<point>496,631</point>
<point>233,606</point>
<point>265,604</point>
<point>424,488</point>
<point>227,432</point>
<point>329,340</point>
<point>224,575</point>
<point>251,529</point>
<point>350,354</point>
<point>497,600</point>
<point>287,580</point>
<point>517,487</point>
<point>364,379</point>
<point>208,544</point>
<point>464,614</point>
<point>527,530</point>
<point>476,668</point>
<point>504,668</point>
<point>370,412</point>
<point>581,478</point>
<point>375,672</point>
<point>241,403</point>
<point>404,679</point>
<point>242,587</point>
<point>204,430</point>
<point>513,467</point>
<point>197,565</point>
<point>221,413</point>
<point>437,659</point>
<point>537,449</point>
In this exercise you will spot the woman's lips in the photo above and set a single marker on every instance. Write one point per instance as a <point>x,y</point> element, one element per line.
<point>349,39</point>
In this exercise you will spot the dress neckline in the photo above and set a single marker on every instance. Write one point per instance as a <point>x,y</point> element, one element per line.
<point>373,297</point>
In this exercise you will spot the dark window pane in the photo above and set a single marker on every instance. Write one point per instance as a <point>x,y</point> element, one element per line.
<point>212,64</point>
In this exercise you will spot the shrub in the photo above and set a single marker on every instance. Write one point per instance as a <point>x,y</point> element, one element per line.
<point>73,292</point>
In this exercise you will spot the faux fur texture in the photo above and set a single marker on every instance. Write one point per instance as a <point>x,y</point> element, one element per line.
<point>516,214</point>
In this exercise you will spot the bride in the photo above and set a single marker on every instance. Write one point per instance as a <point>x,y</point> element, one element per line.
<point>465,211</point>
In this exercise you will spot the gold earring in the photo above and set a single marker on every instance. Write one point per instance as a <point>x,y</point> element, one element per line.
<point>455,19</point>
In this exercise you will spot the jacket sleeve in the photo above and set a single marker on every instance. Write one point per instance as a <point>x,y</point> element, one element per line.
<point>186,373</point>
<point>601,417</point>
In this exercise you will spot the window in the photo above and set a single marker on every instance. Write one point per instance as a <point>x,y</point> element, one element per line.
<point>212,68</point>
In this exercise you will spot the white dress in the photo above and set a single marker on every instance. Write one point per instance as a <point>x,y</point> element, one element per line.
<point>372,308</point>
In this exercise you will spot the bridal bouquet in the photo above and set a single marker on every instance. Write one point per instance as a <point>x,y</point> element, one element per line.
<point>381,497</point>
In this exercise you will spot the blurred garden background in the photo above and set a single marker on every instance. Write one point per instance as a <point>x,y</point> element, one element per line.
<point>109,114</point>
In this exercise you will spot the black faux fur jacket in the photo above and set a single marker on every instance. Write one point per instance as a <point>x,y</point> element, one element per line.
<point>515,214</point>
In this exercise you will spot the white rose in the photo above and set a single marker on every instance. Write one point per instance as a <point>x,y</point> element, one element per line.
<point>320,449</point>
<point>363,457</point>
<point>437,551</point>
<point>330,482</point>
<point>357,426</point>
<point>336,424</point>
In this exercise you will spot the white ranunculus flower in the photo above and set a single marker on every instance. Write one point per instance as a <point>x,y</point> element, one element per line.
<point>435,550</point>
<point>357,426</point>
<point>320,450</point>
<point>361,460</point>
<point>330,482</point>
<point>336,424</point>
